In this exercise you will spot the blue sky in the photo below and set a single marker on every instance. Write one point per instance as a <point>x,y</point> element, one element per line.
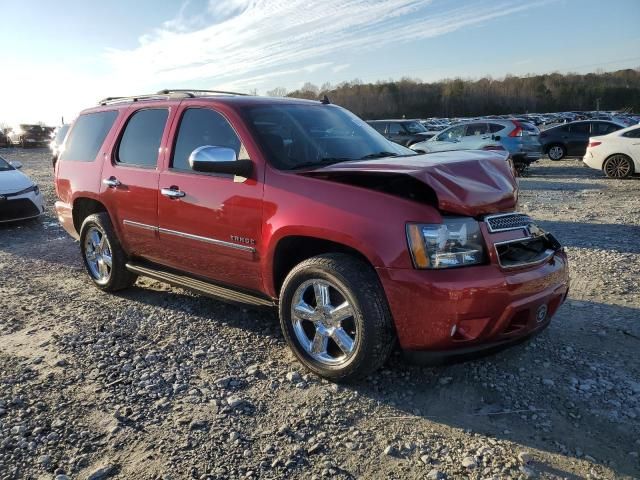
<point>60,57</point>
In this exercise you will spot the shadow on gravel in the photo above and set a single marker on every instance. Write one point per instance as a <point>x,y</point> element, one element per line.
<point>565,169</point>
<point>502,395</point>
<point>606,236</point>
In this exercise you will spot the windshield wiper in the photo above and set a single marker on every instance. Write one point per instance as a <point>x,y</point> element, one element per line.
<point>323,162</point>
<point>379,155</point>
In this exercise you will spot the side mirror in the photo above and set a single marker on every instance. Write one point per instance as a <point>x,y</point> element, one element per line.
<point>223,160</point>
<point>16,164</point>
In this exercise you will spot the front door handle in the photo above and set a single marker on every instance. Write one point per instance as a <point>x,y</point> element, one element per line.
<point>111,182</point>
<point>172,192</point>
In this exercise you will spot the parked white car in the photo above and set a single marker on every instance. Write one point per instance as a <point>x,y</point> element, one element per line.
<point>616,154</point>
<point>20,197</point>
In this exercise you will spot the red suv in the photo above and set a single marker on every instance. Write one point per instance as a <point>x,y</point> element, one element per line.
<point>301,205</point>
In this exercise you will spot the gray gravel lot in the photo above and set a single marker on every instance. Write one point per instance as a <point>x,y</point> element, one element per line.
<point>157,382</point>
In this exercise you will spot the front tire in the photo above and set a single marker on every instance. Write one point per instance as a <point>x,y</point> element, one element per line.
<point>103,256</point>
<point>618,166</point>
<point>335,317</point>
<point>557,152</point>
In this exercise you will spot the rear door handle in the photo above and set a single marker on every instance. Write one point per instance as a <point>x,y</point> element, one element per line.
<point>111,182</point>
<point>172,192</point>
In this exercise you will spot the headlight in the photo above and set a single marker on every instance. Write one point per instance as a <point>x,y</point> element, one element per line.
<point>33,188</point>
<point>454,243</point>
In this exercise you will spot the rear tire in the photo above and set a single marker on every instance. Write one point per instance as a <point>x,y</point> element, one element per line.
<point>618,166</point>
<point>335,317</point>
<point>557,152</point>
<point>103,256</point>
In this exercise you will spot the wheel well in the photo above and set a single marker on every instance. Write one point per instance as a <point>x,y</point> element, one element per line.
<point>554,144</point>
<point>290,251</point>
<point>633,166</point>
<point>82,208</point>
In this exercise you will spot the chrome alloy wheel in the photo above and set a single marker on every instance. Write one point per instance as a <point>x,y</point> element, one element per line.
<point>556,153</point>
<point>324,322</point>
<point>618,166</point>
<point>97,253</point>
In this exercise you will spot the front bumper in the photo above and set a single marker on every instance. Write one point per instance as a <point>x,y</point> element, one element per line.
<point>473,308</point>
<point>20,207</point>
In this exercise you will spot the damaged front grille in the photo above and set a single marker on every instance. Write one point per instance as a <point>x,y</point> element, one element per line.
<point>526,251</point>
<point>507,221</point>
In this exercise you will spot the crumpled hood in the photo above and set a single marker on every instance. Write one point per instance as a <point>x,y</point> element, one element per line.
<point>13,181</point>
<point>470,183</point>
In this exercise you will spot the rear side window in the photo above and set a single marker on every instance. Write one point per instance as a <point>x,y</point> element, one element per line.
<point>601,128</point>
<point>379,126</point>
<point>140,143</point>
<point>87,136</point>
<point>579,128</point>
<point>474,129</point>
<point>200,127</point>
<point>494,127</point>
<point>632,133</point>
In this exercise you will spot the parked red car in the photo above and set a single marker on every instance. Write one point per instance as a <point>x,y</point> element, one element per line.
<point>301,205</point>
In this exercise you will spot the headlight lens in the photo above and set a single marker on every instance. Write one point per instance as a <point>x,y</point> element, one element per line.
<point>33,188</point>
<point>454,243</point>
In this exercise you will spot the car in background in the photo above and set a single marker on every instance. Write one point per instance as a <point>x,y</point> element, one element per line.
<point>403,132</point>
<point>27,135</point>
<point>571,139</point>
<point>5,141</point>
<point>616,154</point>
<point>20,197</point>
<point>57,142</point>
<point>519,139</point>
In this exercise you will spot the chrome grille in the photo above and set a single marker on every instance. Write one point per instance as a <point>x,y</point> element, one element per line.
<point>507,221</point>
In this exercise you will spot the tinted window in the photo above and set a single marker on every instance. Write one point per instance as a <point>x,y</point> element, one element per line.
<point>140,142</point>
<point>4,165</point>
<point>579,128</point>
<point>632,133</point>
<point>395,129</point>
<point>87,136</point>
<point>601,128</point>
<point>494,127</point>
<point>474,129</point>
<point>199,127</point>
<point>414,127</point>
<point>379,126</point>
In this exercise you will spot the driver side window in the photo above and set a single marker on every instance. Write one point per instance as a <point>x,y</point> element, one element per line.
<point>395,129</point>
<point>200,127</point>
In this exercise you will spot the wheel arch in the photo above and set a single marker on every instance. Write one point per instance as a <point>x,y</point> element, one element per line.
<point>634,170</point>
<point>83,207</point>
<point>290,250</point>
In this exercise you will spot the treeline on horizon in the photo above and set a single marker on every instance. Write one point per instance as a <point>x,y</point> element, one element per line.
<point>457,97</point>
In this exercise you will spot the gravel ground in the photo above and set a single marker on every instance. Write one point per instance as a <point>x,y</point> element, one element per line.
<point>159,383</point>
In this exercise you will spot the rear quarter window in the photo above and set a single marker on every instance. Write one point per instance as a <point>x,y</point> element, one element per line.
<point>87,136</point>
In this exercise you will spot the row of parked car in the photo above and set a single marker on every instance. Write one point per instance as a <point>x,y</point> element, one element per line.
<point>524,142</point>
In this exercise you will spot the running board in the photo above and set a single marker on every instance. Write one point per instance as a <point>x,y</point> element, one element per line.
<point>199,286</point>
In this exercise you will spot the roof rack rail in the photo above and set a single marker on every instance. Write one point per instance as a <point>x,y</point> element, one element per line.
<point>193,91</point>
<point>167,93</point>
<point>152,96</point>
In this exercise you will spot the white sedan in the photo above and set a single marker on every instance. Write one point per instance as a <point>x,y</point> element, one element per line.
<point>20,197</point>
<point>616,154</point>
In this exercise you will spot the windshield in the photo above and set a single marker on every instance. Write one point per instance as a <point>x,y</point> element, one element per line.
<point>414,127</point>
<point>4,165</point>
<point>300,136</point>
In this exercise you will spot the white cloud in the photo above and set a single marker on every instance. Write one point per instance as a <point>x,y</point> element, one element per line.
<point>243,44</point>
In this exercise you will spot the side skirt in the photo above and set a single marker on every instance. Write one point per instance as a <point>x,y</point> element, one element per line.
<point>200,286</point>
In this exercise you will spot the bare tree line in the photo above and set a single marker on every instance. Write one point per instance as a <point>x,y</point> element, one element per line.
<point>408,97</point>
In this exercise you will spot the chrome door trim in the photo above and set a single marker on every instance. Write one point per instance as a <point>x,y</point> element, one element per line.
<point>212,241</point>
<point>190,236</point>
<point>144,226</point>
